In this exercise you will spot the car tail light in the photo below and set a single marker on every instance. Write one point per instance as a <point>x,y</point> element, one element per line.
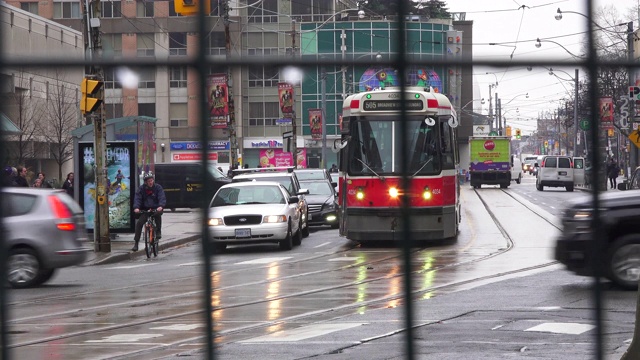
<point>62,213</point>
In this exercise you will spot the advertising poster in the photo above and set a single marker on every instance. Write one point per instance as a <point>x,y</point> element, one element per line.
<point>285,94</point>
<point>279,158</point>
<point>218,100</point>
<point>120,184</point>
<point>606,112</point>
<point>315,123</point>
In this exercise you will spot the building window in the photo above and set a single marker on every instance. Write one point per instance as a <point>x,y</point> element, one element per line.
<point>112,44</point>
<point>266,12</point>
<point>147,110</point>
<point>66,10</point>
<point>179,123</point>
<point>31,7</point>
<point>111,9</point>
<point>263,114</point>
<point>262,52</point>
<point>177,43</point>
<point>113,111</point>
<point>172,9</point>
<point>110,79</point>
<point>147,78</point>
<point>144,8</point>
<point>178,115</point>
<point>309,10</point>
<point>178,77</point>
<point>146,45</point>
<point>261,76</point>
<point>217,44</point>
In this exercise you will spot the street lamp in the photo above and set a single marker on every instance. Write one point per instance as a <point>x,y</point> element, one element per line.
<point>539,44</point>
<point>575,105</point>
<point>499,111</point>
<point>162,147</point>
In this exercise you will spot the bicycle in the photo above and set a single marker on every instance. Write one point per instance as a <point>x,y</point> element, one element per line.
<point>151,244</point>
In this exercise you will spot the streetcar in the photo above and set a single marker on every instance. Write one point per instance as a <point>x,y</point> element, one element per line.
<point>370,168</point>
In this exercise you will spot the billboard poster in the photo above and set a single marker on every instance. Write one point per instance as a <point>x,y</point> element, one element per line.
<point>315,123</point>
<point>606,112</point>
<point>285,94</point>
<point>120,185</point>
<point>218,100</point>
<point>278,158</point>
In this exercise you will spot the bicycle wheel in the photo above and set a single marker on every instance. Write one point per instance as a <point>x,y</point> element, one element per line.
<point>147,238</point>
<point>154,243</point>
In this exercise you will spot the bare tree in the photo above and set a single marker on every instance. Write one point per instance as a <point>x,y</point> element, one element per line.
<point>61,119</point>
<point>25,110</point>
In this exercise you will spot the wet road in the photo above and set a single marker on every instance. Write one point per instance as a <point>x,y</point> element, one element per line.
<point>146,309</point>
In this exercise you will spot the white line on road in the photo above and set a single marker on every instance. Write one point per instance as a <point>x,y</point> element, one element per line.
<point>303,333</point>
<point>344,259</point>
<point>321,245</point>
<point>562,328</point>
<point>130,266</point>
<point>180,327</point>
<point>191,263</point>
<point>263,260</point>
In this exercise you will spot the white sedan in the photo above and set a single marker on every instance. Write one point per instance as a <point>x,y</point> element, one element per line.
<point>254,212</point>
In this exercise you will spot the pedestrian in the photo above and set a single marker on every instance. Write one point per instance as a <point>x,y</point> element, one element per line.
<point>612,172</point>
<point>148,196</point>
<point>37,183</point>
<point>334,168</point>
<point>21,179</point>
<point>8,177</point>
<point>68,185</point>
<point>43,182</point>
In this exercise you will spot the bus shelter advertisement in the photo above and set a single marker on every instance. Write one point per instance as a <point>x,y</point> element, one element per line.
<point>121,189</point>
<point>279,158</point>
<point>489,154</point>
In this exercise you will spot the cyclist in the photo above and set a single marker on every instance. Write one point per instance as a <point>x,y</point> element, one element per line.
<point>148,196</point>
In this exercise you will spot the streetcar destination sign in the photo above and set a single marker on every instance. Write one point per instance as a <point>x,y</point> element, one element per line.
<point>390,105</point>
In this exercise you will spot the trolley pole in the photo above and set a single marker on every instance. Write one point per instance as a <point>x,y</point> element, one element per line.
<point>92,106</point>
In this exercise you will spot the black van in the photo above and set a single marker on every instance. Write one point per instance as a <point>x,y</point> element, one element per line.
<point>183,186</point>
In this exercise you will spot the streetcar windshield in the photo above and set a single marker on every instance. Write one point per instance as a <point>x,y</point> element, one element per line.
<point>375,146</point>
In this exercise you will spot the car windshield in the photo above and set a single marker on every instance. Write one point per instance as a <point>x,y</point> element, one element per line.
<point>242,195</point>
<point>310,175</point>
<point>284,180</point>
<point>318,187</point>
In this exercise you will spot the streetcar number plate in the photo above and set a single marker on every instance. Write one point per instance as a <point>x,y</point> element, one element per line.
<point>243,233</point>
<point>562,173</point>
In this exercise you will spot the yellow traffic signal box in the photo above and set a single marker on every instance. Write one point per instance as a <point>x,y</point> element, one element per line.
<point>191,7</point>
<point>90,101</point>
<point>508,130</point>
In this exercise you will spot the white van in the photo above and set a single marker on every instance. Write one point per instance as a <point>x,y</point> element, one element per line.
<point>555,171</point>
<point>516,166</point>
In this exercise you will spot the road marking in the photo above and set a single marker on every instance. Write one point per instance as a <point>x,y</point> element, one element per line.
<point>191,263</point>
<point>263,260</point>
<point>346,258</point>
<point>130,266</point>
<point>303,333</point>
<point>179,327</point>
<point>125,338</point>
<point>562,328</point>
<point>321,245</point>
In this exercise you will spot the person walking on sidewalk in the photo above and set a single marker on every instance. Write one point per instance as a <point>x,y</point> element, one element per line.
<point>612,172</point>
<point>148,196</point>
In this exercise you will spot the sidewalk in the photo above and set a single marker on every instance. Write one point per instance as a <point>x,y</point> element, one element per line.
<point>178,227</point>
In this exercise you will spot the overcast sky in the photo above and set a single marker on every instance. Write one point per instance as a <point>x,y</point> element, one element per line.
<point>516,27</point>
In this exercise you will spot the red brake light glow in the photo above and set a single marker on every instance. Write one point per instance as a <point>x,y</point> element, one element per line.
<point>432,103</point>
<point>62,212</point>
<point>355,104</point>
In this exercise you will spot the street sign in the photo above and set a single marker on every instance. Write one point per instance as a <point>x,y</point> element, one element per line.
<point>635,137</point>
<point>634,92</point>
<point>584,125</point>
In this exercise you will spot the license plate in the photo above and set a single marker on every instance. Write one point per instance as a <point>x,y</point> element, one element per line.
<point>562,173</point>
<point>243,233</point>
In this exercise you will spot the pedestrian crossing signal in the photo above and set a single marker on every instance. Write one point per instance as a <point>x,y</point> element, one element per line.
<point>518,134</point>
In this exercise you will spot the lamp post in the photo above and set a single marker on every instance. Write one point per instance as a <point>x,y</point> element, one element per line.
<point>575,106</point>
<point>491,86</point>
<point>501,107</point>
<point>162,147</point>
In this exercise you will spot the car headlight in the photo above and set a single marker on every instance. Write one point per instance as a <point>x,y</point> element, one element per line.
<point>215,222</point>
<point>582,214</point>
<point>274,219</point>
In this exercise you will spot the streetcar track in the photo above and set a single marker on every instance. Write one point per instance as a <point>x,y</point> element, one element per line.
<point>371,302</point>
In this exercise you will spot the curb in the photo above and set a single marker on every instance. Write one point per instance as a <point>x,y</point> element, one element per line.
<point>112,258</point>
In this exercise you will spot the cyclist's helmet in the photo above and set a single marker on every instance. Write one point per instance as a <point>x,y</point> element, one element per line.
<point>148,176</point>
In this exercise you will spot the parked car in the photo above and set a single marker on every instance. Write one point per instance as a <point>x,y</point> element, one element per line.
<point>255,212</point>
<point>554,171</point>
<point>285,176</point>
<point>620,216</point>
<point>323,203</point>
<point>183,183</point>
<point>44,230</point>
<point>313,174</point>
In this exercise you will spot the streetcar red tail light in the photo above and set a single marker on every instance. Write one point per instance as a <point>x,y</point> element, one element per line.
<point>355,104</point>
<point>432,103</point>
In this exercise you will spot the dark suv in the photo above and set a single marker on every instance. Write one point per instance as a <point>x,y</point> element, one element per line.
<point>620,216</point>
<point>284,176</point>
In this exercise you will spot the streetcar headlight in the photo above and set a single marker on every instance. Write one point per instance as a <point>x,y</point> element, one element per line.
<point>274,219</point>
<point>215,222</point>
<point>426,194</point>
<point>360,193</point>
<point>393,192</point>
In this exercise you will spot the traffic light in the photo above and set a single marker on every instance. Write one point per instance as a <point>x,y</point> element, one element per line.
<point>518,134</point>
<point>191,7</point>
<point>508,131</point>
<point>90,99</point>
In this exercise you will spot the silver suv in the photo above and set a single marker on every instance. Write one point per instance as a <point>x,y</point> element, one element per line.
<point>43,230</point>
<point>555,171</point>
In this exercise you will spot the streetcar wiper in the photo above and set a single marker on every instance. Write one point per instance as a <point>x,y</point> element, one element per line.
<point>422,167</point>
<point>375,173</point>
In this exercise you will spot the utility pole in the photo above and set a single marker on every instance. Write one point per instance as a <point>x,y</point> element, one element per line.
<point>490,108</point>
<point>92,83</point>
<point>294,130</point>
<point>233,140</point>
<point>323,86</point>
<point>633,150</point>
<point>575,116</point>
<point>343,48</point>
